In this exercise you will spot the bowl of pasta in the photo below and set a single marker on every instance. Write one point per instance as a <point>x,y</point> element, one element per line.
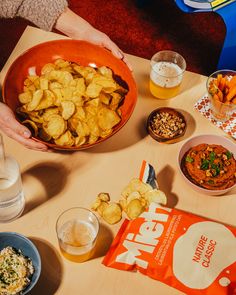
<point>71,94</point>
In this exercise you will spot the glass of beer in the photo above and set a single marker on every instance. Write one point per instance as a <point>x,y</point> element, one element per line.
<point>166,75</point>
<point>77,229</point>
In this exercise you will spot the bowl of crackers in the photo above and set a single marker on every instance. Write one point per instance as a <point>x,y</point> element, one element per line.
<point>71,94</point>
<point>166,125</point>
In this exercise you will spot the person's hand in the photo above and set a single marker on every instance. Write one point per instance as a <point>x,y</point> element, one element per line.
<point>12,128</point>
<point>76,27</point>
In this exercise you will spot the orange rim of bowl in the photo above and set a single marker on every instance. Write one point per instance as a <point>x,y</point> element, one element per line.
<point>99,50</point>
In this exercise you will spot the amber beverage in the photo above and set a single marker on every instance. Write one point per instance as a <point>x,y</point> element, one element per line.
<point>77,230</point>
<point>167,69</point>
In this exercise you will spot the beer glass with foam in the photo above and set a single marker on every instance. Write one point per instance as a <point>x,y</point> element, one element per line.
<point>167,69</point>
<point>77,229</point>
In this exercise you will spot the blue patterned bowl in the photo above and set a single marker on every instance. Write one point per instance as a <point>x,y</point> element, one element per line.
<point>28,249</point>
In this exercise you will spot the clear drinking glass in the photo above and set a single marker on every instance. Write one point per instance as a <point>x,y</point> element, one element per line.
<point>77,229</point>
<point>12,201</point>
<point>221,111</point>
<point>166,75</point>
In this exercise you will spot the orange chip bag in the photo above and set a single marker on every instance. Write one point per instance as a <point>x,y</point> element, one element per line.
<point>190,253</point>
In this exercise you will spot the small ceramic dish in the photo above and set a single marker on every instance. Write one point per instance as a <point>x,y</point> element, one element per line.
<point>166,125</point>
<point>28,249</point>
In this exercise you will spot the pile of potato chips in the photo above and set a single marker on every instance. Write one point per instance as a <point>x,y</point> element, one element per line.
<point>136,197</point>
<point>70,104</point>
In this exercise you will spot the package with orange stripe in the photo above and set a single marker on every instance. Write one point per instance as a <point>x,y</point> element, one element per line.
<point>190,253</point>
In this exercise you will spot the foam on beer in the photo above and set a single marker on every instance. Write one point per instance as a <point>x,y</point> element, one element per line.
<point>166,74</point>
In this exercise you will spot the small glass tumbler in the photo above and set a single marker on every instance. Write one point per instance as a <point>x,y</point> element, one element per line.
<point>166,75</point>
<point>221,109</point>
<point>77,230</point>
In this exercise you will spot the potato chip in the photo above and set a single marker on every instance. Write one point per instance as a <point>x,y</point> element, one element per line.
<point>132,196</point>
<point>93,90</point>
<point>25,97</point>
<point>77,100</point>
<point>61,63</point>
<point>80,140</point>
<point>134,209</point>
<point>102,206</point>
<point>107,118</point>
<point>104,197</point>
<point>136,185</point>
<point>47,100</point>
<point>112,213</point>
<point>93,126</point>
<point>83,71</point>
<point>49,112</point>
<point>68,109</point>
<point>43,134</point>
<point>107,83</point>
<point>82,129</point>
<point>55,127</point>
<point>80,87</point>
<point>80,113</point>
<point>105,97</point>
<point>92,139</point>
<point>66,139</point>
<point>105,133</point>
<point>54,85</point>
<point>43,83</point>
<point>96,204</point>
<point>36,117</point>
<point>37,96</point>
<point>48,68</point>
<point>156,196</point>
<point>105,71</point>
<point>115,101</point>
<point>62,77</point>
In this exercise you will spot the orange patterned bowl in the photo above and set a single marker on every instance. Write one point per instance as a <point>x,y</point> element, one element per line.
<point>84,53</point>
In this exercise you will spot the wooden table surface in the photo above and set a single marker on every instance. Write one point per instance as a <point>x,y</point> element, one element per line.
<point>53,182</point>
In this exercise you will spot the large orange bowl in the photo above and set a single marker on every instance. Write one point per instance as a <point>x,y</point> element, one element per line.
<point>75,51</point>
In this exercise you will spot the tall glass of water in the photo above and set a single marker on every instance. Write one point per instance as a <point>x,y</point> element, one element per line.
<point>12,199</point>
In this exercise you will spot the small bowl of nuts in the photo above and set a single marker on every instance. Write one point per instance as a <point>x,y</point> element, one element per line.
<point>166,125</point>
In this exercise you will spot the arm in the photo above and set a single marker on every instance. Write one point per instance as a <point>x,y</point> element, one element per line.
<point>49,14</point>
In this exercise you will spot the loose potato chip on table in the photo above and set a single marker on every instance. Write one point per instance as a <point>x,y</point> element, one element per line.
<point>135,199</point>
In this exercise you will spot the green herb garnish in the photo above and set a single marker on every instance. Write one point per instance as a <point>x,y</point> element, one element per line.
<point>216,169</point>
<point>189,159</point>
<point>205,164</point>
<point>211,181</point>
<point>212,157</point>
<point>229,155</point>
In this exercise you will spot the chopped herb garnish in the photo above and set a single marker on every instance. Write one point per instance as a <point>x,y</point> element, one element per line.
<point>212,157</point>
<point>205,164</point>
<point>215,169</point>
<point>210,181</point>
<point>189,159</point>
<point>229,155</point>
